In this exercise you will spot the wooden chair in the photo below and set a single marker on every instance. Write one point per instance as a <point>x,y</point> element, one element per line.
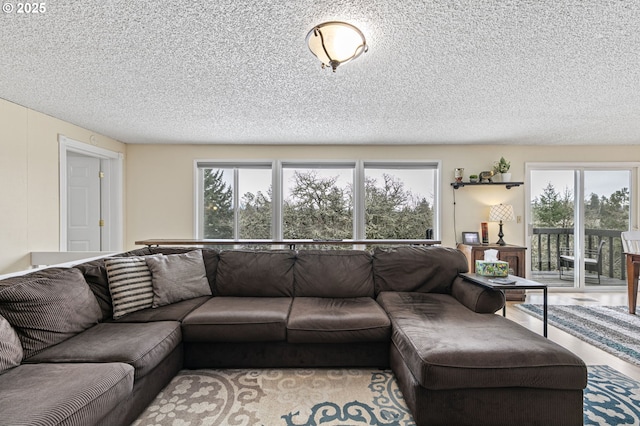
<point>631,241</point>
<point>592,260</point>
<point>631,248</point>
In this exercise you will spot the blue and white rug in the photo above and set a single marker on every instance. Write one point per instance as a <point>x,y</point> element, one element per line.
<point>306,397</point>
<point>611,398</point>
<point>610,328</point>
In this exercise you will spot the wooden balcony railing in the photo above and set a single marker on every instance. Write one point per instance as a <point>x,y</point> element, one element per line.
<point>546,244</point>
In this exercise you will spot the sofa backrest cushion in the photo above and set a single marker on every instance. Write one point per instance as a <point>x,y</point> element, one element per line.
<point>47,311</point>
<point>333,273</point>
<point>95,274</point>
<point>10,347</point>
<point>258,273</point>
<point>426,269</point>
<point>177,277</point>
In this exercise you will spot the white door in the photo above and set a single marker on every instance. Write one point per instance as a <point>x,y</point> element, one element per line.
<point>83,203</point>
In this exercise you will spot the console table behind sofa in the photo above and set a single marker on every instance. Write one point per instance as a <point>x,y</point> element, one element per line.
<point>290,243</point>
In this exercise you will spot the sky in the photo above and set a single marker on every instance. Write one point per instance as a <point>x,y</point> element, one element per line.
<point>601,182</point>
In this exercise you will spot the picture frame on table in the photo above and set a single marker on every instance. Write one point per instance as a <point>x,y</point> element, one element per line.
<point>471,238</point>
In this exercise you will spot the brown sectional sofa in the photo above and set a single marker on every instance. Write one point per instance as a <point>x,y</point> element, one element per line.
<point>455,360</point>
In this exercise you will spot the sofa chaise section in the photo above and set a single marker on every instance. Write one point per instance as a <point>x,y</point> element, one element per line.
<point>458,363</point>
<point>476,360</point>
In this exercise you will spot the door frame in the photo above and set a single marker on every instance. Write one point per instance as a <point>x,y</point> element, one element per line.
<point>111,191</point>
<point>579,167</point>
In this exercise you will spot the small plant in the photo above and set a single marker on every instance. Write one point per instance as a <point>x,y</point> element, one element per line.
<point>501,166</point>
<point>473,176</point>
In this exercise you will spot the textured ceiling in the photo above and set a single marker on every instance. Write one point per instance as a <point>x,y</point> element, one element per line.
<point>229,71</point>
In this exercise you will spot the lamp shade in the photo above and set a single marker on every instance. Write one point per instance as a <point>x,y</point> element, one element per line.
<point>336,43</point>
<point>501,212</point>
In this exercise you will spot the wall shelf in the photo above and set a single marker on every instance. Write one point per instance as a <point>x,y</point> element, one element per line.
<point>508,185</point>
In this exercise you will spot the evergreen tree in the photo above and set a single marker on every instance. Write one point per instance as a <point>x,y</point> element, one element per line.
<point>218,205</point>
<point>614,212</point>
<point>255,215</point>
<point>552,209</point>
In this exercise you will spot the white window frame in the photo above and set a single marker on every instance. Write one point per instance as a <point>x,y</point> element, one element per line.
<point>200,165</point>
<point>324,164</point>
<point>418,165</point>
<point>277,186</point>
<point>578,168</point>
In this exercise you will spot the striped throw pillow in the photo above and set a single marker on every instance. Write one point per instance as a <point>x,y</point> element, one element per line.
<point>129,284</point>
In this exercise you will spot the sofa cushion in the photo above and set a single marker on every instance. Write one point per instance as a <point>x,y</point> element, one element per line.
<point>447,346</point>
<point>142,345</point>
<point>238,319</point>
<point>337,320</point>
<point>173,312</point>
<point>423,269</point>
<point>210,257</point>
<point>10,347</point>
<point>178,277</point>
<point>333,273</point>
<point>259,273</point>
<point>96,276</point>
<point>129,284</point>
<point>47,311</point>
<point>63,394</point>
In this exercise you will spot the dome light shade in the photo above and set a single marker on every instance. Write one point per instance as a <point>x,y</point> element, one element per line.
<point>335,43</point>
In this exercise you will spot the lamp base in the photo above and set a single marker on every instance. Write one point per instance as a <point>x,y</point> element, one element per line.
<point>500,241</point>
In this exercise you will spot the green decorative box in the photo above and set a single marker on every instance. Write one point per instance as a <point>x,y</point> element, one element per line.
<point>496,268</point>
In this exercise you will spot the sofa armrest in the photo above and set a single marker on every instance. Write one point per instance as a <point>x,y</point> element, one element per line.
<point>476,297</point>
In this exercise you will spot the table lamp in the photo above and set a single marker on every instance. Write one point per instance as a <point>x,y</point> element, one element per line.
<point>500,213</point>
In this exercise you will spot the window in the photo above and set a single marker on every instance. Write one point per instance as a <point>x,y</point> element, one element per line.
<point>399,200</point>
<point>235,201</point>
<point>316,200</point>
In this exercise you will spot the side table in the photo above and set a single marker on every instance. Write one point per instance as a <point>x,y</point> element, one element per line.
<point>517,284</point>
<point>514,255</point>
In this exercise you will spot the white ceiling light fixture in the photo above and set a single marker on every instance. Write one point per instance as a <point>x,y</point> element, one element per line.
<point>336,43</point>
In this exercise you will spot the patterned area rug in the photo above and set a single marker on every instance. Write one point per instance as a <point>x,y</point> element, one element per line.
<point>610,328</point>
<point>611,398</point>
<point>296,397</point>
<point>285,397</point>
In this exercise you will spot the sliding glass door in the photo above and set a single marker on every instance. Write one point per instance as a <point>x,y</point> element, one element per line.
<point>576,214</point>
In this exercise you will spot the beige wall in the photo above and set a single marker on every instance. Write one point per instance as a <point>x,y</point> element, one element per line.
<point>160,184</point>
<point>29,210</point>
<point>159,180</point>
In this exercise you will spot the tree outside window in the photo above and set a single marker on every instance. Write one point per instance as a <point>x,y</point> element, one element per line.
<point>317,202</point>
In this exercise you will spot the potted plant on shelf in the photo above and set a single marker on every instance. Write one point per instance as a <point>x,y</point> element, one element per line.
<point>473,178</point>
<point>503,167</point>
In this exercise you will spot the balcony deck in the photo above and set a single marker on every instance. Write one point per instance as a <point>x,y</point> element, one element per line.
<point>548,243</point>
<point>552,279</point>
